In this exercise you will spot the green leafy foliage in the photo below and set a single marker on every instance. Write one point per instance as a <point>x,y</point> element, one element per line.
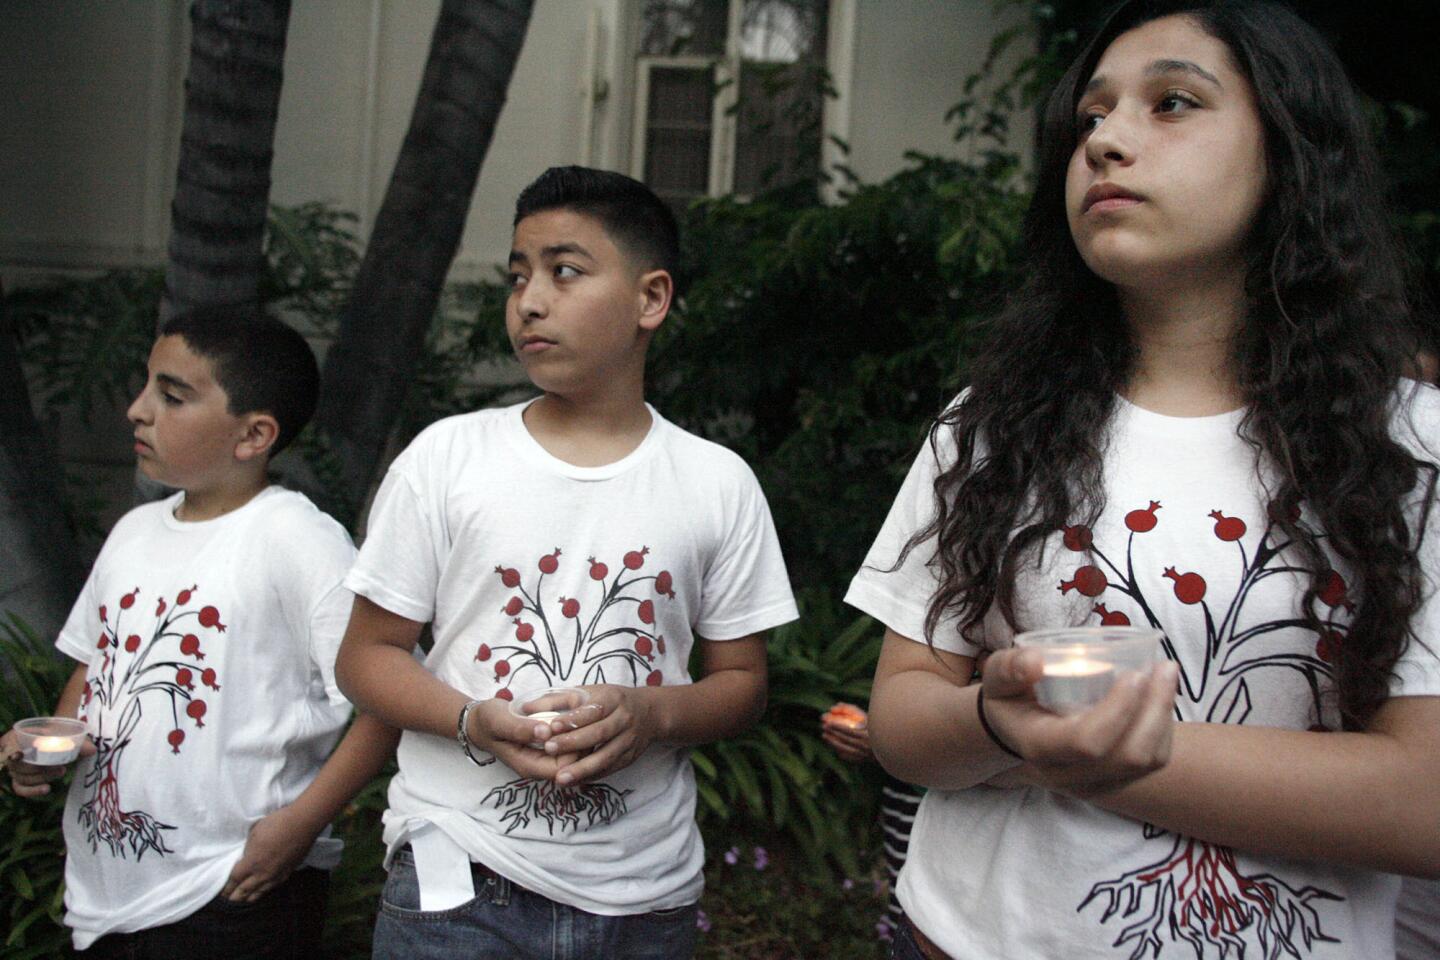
<point>779,778</point>
<point>32,861</point>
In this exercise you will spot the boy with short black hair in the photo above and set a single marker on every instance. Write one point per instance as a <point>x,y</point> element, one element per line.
<point>206,635</point>
<point>576,540</point>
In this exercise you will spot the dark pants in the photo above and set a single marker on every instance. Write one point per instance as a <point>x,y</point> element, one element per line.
<point>285,924</point>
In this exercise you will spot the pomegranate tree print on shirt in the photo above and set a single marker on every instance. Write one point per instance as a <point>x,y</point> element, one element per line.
<point>611,635</point>
<point>1195,893</point>
<point>167,671</point>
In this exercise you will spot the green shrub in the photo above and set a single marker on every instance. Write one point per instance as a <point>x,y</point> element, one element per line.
<point>779,778</point>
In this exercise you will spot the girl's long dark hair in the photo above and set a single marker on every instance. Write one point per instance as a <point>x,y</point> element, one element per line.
<point>1327,335</point>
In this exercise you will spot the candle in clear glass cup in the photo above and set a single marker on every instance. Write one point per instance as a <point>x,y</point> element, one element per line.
<point>49,741</point>
<point>1081,664</point>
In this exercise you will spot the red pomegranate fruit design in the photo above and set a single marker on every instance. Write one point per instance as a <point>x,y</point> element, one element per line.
<point>1228,529</point>
<point>635,559</point>
<point>508,576</point>
<point>1111,618</point>
<point>1142,521</point>
<point>1078,537</point>
<point>550,562</point>
<point>1089,580</point>
<point>1333,591</point>
<point>1189,587</point>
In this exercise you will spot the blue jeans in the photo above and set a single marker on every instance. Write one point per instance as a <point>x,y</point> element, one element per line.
<point>507,922</point>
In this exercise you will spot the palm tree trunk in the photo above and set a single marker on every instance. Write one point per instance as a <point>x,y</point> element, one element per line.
<point>472,56</point>
<point>232,96</point>
<point>40,570</point>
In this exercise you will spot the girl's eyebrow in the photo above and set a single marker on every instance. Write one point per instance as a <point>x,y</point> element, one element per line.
<point>1160,68</point>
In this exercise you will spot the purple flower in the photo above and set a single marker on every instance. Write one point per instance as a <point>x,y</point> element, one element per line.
<point>848,884</point>
<point>762,859</point>
<point>884,931</point>
<point>732,856</point>
<point>702,920</point>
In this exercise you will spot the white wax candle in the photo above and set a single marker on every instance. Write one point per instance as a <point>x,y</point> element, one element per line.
<point>52,751</point>
<point>1077,667</point>
<point>1073,684</point>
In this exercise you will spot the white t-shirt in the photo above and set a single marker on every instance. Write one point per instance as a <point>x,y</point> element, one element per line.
<point>1184,542</point>
<point>1417,920</point>
<point>210,694</point>
<point>539,573</point>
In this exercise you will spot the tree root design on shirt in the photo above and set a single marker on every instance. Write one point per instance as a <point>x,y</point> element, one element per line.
<point>1196,894</point>
<point>563,807</point>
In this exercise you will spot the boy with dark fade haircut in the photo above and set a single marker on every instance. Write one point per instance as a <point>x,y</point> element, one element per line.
<point>577,540</point>
<point>196,824</point>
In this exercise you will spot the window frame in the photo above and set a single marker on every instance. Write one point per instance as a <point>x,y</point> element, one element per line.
<point>839,60</point>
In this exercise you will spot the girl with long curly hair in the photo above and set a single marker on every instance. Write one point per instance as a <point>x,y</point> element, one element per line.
<point>1194,417</point>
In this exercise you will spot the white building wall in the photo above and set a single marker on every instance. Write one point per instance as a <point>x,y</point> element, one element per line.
<point>93,94</point>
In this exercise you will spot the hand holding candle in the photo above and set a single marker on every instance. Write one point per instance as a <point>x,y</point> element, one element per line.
<point>1086,713</point>
<point>37,751</point>
<point>845,729</point>
<point>548,704</point>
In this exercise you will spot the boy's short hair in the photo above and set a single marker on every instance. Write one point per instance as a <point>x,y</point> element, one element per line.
<point>262,364</point>
<point>634,218</point>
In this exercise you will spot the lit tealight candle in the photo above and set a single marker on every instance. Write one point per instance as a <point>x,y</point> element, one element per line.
<point>53,751</point>
<point>1075,683</point>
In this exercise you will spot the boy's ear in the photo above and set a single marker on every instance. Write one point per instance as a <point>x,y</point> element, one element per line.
<point>260,433</point>
<point>657,289</point>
